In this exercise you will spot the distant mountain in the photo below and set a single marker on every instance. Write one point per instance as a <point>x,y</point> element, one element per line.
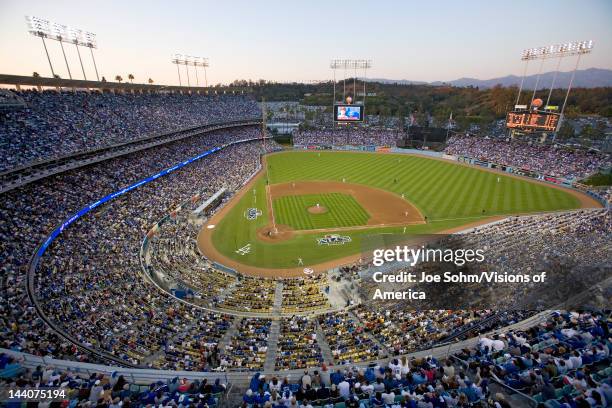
<point>585,78</point>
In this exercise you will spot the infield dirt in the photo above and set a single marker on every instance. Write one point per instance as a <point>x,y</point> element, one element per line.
<point>385,208</point>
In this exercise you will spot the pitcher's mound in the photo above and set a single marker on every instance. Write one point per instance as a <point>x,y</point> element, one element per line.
<point>270,234</point>
<point>317,209</point>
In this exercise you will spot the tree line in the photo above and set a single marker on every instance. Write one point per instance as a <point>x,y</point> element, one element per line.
<point>468,104</point>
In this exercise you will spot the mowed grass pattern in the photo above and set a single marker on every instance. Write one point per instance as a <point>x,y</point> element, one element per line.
<point>342,211</point>
<point>450,195</point>
<point>441,190</point>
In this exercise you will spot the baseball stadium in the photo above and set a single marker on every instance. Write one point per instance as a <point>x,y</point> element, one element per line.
<point>267,244</point>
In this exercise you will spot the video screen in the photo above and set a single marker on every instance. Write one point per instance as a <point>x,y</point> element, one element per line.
<point>348,113</point>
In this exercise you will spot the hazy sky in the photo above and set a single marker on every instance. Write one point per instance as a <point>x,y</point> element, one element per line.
<point>294,40</point>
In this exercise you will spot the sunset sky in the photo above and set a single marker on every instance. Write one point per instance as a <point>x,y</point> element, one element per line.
<point>294,41</point>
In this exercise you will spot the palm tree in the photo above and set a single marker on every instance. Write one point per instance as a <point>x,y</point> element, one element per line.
<point>36,74</point>
<point>150,81</point>
<point>57,76</point>
<point>131,78</point>
<point>103,79</point>
<point>118,78</point>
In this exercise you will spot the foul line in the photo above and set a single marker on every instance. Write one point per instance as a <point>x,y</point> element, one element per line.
<point>269,199</point>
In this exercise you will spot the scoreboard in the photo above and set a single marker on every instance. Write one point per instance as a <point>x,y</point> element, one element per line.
<point>532,121</point>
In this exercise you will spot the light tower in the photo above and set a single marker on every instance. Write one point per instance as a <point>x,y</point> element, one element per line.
<point>189,60</point>
<point>42,28</point>
<point>558,51</point>
<point>355,64</point>
<point>346,64</point>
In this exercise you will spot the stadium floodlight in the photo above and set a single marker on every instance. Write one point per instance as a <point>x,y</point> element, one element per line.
<point>43,28</point>
<point>177,59</point>
<point>201,62</point>
<point>558,50</point>
<point>82,38</point>
<point>355,64</point>
<point>58,32</point>
<point>40,28</point>
<point>189,60</point>
<point>180,59</point>
<point>343,63</point>
<point>85,39</point>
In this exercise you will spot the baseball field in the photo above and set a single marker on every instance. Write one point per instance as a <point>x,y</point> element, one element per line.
<point>318,208</point>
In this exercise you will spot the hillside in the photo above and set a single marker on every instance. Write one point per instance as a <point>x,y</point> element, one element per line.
<point>585,78</point>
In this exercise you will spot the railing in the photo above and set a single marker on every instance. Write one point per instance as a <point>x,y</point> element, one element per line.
<point>529,399</point>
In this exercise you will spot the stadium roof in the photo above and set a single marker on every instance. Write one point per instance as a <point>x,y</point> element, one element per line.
<point>20,80</point>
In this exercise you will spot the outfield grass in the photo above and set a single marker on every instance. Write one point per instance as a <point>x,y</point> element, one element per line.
<point>440,189</point>
<point>342,211</point>
<point>450,195</point>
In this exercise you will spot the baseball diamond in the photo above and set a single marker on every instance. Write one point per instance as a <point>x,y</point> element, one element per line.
<point>363,194</point>
<point>335,210</point>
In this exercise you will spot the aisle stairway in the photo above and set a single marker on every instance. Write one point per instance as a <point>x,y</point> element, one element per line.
<point>227,337</point>
<point>324,345</point>
<point>272,345</point>
<point>278,299</point>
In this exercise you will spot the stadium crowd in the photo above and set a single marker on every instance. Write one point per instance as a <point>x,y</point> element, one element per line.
<point>563,362</point>
<point>56,124</point>
<point>247,348</point>
<point>349,136</point>
<point>571,247</point>
<point>553,160</point>
<point>78,275</point>
<point>92,262</point>
<point>348,340</point>
<point>301,295</point>
<point>297,344</point>
<point>108,391</point>
<point>405,331</point>
<point>174,256</point>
